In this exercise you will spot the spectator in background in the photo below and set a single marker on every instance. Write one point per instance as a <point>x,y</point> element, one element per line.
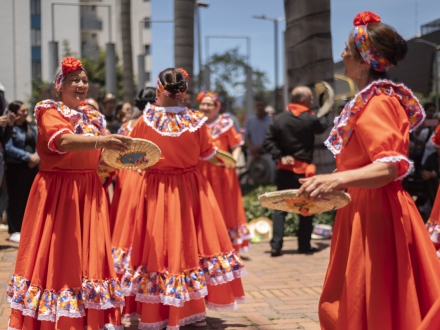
<point>109,106</point>
<point>187,100</point>
<point>123,114</point>
<point>290,139</point>
<point>420,137</point>
<point>256,127</point>
<point>21,167</point>
<point>431,174</point>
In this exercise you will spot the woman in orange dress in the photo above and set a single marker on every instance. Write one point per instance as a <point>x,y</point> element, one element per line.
<point>383,272</point>
<point>180,250</point>
<point>64,276</point>
<point>223,180</point>
<point>127,206</point>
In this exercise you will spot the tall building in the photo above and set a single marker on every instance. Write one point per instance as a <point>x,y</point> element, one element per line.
<point>27,29</point>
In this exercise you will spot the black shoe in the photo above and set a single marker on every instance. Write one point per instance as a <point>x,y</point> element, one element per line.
<point>275,252</point>
<point>308,251</point>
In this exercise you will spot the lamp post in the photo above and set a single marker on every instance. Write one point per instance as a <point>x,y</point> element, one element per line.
<point>436,71</point>
<point>142,79</point>
<point>199,4</point>
<point>110,54</point>
<point>275,22</point>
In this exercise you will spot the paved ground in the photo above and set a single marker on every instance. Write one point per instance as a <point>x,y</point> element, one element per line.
<point>282,292</point>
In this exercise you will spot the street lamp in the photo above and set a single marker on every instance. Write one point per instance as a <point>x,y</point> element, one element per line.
<point>142,79</point>
<point>275,22</point>
<point>437,47</point>
<point>199,4</point>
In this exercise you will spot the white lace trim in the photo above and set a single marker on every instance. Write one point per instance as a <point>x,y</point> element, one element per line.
<point>54,136</point>
<point>145,298</point>
<point>109,326</point>
<point>14,305</point>
<point>221,130</point>
<point>170,109</point>
<point>182,322</point>
<point>153,326</point>
<point>210,155</point>
<point>221,307</point>
<point>28,312</point>
<point>241,300</point>
<point>225,278</point>
<point>397,159</point>
<point>104,306</point>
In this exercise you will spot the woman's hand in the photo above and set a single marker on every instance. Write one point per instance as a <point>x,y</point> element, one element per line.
<point>12,117</point>
<point>114,142</point>
<point>34,160</point>
<point>287,160</point>
<point>317,186</point>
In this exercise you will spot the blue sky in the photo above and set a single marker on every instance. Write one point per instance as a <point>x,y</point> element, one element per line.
<point>234,17</point>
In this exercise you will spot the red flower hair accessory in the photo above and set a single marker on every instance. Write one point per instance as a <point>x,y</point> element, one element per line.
<point>366,17</point>
<point>68,65</point>
<point>185,74</point>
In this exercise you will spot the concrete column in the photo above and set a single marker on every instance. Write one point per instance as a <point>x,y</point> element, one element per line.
<point>141,72</point>
<point>54,61</point>
<point>110,68</point>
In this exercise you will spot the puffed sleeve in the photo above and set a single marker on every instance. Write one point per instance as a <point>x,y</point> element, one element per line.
<point>207,147</point>
<point>234,138</point>
<point>436,137</point>
<point>52,125</point>
<point>383,129</point>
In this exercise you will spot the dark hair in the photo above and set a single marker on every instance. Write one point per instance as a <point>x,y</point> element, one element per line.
<point>428,105</point>
<point>259,99</point>
<point>173,81</point>
<point>146,95</point>
<point>388,43</point>
<point>15,106</point>
<point>189,92</point>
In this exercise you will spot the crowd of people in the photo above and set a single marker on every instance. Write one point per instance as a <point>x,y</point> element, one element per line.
<point>166,246</point>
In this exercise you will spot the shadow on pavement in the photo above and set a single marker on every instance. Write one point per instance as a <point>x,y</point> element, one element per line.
<point>319,246</point>
<point>8,247</point>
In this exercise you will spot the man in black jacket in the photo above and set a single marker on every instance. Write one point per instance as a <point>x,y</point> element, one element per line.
<point>290,139</point>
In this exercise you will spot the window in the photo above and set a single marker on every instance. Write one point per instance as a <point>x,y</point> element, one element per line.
<point>36,70</point>
<point>147,22</point>
<point>35,7</point>
<point>147,49</point>
<point>35,37</point>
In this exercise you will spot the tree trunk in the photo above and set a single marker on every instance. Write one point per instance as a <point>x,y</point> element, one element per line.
<point>127,52</point>
<point>184,37</point>
<point>308,47</point>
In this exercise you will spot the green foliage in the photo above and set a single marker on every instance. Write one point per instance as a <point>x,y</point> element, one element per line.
<point>67,51</point>
<point>38,86</point>
<point>96,73</point>
<point>228,76</point>
<point>254,210</point>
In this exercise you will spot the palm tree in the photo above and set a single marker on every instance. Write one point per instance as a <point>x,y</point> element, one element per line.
<point>184,36</point>
<point>308,47</point>
<point>127,52</point>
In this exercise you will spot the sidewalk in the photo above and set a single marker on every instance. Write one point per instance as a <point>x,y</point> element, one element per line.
<point>282,292</point>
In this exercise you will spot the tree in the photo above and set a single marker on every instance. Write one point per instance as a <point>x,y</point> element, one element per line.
<point>67,51</point>
<point>129,92</point>
<point>309,57</point>
<point>184,36</point>
<point>228,74</point>
<point>96,73</point>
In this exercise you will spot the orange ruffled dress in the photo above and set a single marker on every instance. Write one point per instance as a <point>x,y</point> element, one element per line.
<point>64,276</point>
<point>224,182</point>
<point>383,271</point>
<point>180,250</point>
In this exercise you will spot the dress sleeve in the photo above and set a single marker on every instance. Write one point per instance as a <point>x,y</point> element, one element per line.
<point>207,147</point>
<point>234,138</point>
<point>383,129</point>
<point>52,125</point>
<point>436,137</point>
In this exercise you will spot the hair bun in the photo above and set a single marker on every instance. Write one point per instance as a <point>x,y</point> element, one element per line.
<point>401,49</point>
<point>366,17</point>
